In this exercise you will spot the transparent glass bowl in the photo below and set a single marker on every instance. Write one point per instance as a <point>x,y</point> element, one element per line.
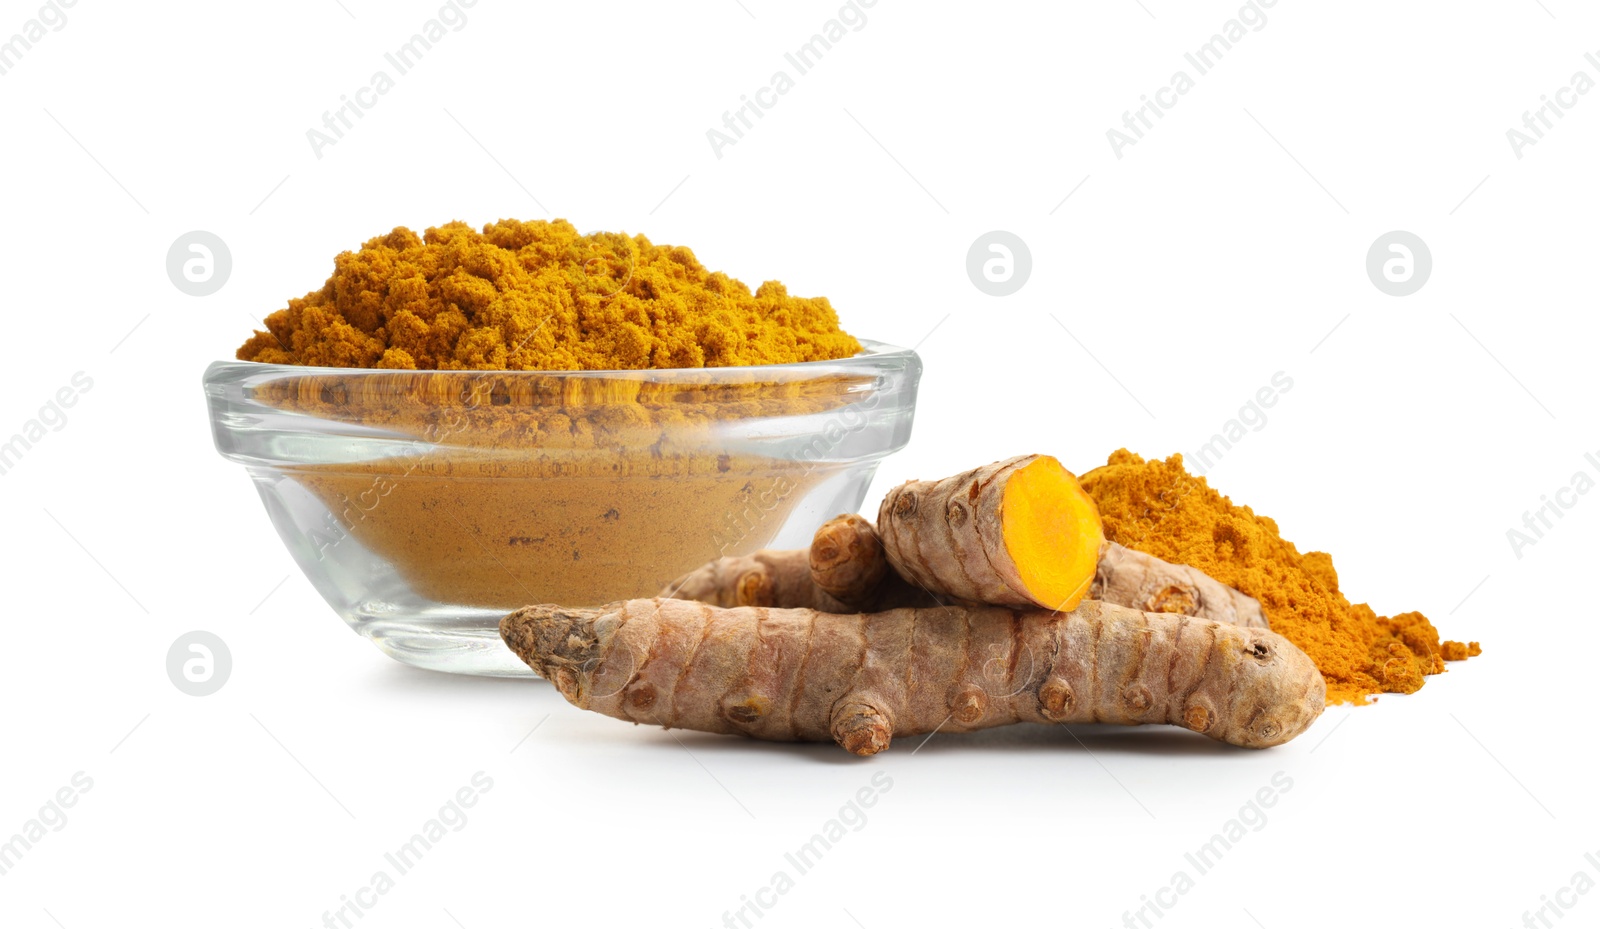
<point>424,505</point>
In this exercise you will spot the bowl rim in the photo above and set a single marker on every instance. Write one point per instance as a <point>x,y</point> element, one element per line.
<point>872,352</point>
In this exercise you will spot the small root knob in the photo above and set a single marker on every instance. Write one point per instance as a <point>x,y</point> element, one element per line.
<point>968,704</point>
<point>1173,598</point>
<point>642,697</point>
<point>744,709</point>
<point>847,559</point>
<point>1055,699</point>
<point>754,588</point>
<point>861,729</point>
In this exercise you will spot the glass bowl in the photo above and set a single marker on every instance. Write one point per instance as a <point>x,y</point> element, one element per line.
<point>424,505</point>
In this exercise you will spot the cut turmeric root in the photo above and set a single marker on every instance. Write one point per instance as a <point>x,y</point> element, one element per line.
<point>951,540</point>
<point>860,680</point>
<point>1019,532</point>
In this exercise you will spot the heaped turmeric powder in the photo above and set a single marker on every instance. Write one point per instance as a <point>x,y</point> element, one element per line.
<point>528,296</point>
<point>521,486</point>
<point>1159,508</point>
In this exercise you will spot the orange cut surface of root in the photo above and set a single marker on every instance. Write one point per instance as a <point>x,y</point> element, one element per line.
<point>1052,532</point>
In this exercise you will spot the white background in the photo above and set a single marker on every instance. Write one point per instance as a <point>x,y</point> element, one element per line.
<point>1171,285</point>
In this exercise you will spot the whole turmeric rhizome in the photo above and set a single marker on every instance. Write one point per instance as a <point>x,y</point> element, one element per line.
<point>987,598</point>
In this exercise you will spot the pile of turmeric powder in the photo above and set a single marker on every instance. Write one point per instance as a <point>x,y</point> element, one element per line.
<point>536,471</point>
<point>525,296</point>
<point>1159,508</point>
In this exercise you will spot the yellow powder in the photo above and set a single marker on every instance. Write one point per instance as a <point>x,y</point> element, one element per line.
<point>528,296</point>
<point>519,488</point>
<point>1159,508</point>
<point>532,534</point>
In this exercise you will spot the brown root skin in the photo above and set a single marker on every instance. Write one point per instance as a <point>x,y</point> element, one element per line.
<point>1145,582</point>
<point>765,578</point>
<point>862,679</point>
<point>786,579</point>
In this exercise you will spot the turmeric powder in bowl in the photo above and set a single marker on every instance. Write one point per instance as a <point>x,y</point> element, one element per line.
<point>462,423</point>
<point>538,296</point>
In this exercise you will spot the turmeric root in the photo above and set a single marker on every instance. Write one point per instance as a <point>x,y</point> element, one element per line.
<point>861,679</point>
<point>842,558</point>
<point>844,571</point>
<point>765,578</point>
<point>1019,532</point>
<point>1144,582</point>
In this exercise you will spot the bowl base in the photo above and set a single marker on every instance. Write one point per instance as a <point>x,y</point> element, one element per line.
<point>464,642</point>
